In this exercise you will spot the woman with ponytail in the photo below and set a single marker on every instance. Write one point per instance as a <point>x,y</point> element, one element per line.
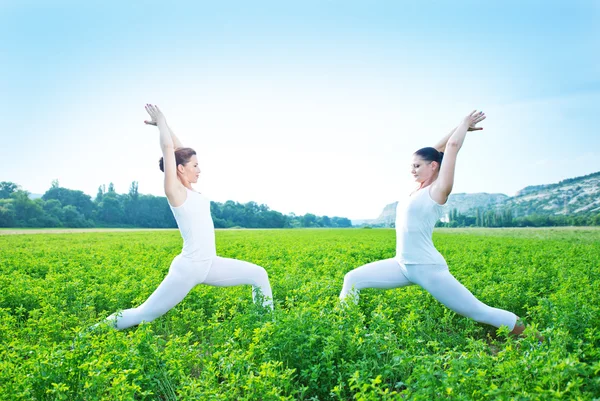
<point>417,261</point>
<point>198,262</point>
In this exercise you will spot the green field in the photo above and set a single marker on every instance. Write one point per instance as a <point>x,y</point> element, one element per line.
<point>217,345</point>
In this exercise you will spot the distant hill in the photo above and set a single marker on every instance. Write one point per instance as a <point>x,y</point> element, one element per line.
<point>466,203</point>
<point>568,197</point>
<point>573,196</point>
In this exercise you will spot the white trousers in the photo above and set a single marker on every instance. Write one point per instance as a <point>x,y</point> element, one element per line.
<point>184,274</point>
<point>436,279</point>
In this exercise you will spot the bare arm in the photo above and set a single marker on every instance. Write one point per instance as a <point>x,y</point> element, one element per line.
<point>176,142</point>
<point>175,191</point>
<point>442,187</point>
<point>441,145</point>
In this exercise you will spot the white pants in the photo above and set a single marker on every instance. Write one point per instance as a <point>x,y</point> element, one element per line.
<point>436,279</point>
<point>184,274</point>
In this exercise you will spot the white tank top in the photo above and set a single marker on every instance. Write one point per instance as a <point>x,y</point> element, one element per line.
<point>416,216</point>
<point>196,226</point>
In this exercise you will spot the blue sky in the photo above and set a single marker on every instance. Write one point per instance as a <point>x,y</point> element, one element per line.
<point>312,106</point>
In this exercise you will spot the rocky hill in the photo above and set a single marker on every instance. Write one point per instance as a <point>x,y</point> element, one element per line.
<point>568,197</point>
<point>579,195</point>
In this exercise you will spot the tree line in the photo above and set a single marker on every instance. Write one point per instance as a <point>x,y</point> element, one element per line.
<point>62,207</point>
<point>505,218</point>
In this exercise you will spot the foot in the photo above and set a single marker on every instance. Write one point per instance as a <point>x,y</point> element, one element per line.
<point>520,328</point>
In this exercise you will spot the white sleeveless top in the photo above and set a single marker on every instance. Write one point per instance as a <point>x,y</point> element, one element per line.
<point>416,216</point>
<point>196,226</point>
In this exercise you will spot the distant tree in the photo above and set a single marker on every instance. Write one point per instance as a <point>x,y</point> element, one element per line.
<point>110,210</point>
<point>8,216</point>
<point>309,220</point>
<point>507,218</point>
<point>133,190</point>
<point>293,221</point>
<point>71,208</point>
<point>131,205</point>
<point>154,211</point>
<point>325,221</point>
<point>454,215</point>
<point>100,194</point>
<point>82,202</point>
<point>341,222</point>
<point>54,208</point>
<point>27,212</point>
<point>7,188</point>
<point>72,218</point>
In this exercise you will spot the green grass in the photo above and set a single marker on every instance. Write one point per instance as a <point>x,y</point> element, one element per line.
<point>216,344</point>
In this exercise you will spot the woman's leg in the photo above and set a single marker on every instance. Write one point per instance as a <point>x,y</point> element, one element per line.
<point>226,272</point>
<point>438,281</point>
<point>381,274</point>
<point>176,285</point>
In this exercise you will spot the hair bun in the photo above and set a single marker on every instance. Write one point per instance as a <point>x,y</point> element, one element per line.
<point>182,156</point>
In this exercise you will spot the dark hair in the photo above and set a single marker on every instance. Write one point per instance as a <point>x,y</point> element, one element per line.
<point>182,156</point>
<point>430,155</point>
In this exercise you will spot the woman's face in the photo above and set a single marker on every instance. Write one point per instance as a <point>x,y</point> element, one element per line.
<point>423,170</point>
<point>190,171</point>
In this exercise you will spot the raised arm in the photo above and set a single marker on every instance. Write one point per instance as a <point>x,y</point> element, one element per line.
<point>176,142</point>
<point>441,145</point>
<point>174,189</point>
<point>442,187</point>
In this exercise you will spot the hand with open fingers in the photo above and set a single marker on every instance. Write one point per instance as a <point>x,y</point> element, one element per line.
<point>479,117</point>
<point>472,119</point>
<point>156,115</point>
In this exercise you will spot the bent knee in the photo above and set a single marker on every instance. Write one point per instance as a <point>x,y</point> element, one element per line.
<point>262,273</point>
<point>260,276</point>
<point>350,278</point>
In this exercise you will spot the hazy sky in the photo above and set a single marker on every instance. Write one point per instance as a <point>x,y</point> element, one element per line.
<point>306,106</point>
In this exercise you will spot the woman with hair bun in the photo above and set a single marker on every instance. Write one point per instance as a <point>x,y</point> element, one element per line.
<point>198,262</point>
<point>417,261</point>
